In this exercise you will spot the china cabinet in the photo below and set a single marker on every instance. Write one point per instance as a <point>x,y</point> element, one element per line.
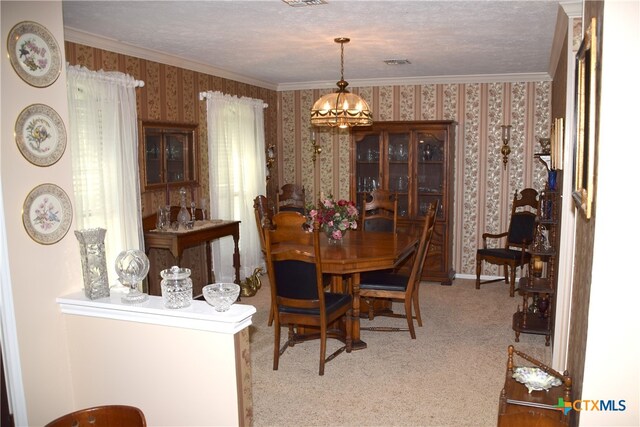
<point>413,160</point>
<point>167,154</point>
<point>538,287</point>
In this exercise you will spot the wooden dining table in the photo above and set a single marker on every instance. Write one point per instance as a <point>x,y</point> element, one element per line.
<point>361,251</point>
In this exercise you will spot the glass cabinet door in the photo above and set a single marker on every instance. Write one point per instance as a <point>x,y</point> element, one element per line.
<point>431,173</point>
<point>168,153</point>
<point>398,159</point>
<point>367,167</point>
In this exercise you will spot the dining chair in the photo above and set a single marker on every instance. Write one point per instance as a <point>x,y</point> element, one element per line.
<point>291,198</point>
<point>396,285</point>
<point>264,211</point>
<point>380,211</point>
<point>298,295</point>
<point>519,235</point>
<point>102,416</point>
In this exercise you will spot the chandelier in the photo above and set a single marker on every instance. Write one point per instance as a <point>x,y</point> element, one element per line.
<point>341,108</point>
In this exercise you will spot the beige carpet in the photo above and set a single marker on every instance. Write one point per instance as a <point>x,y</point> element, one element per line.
<point>451,375</point>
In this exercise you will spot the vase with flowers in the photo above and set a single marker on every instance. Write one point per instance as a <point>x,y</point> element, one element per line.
<point>334,218</point>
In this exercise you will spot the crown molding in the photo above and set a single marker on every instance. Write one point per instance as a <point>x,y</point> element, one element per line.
<point>112,45</point>
<point>409,81</point>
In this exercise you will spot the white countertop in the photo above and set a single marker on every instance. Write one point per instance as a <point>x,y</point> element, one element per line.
<point>199,315</point>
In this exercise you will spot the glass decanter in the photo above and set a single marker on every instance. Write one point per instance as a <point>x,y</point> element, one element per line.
<point>184,217</point>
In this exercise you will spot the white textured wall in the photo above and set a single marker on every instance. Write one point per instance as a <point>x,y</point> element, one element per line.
<point>39,273</point>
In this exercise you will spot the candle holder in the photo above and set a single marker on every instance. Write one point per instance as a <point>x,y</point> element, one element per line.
<point>537,265</point>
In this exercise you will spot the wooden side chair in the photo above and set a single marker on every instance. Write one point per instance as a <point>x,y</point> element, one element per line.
<point>518,237</point>
<point>105,416</point>
<point>297,291</point>
<point>291,198</point>
<point>380,211</point>
<point>397,286</point>
<point>264,213</point>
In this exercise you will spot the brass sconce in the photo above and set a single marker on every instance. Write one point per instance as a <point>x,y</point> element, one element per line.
<point>315,146</point>
<point>506,150</point>
<point>271,159</point>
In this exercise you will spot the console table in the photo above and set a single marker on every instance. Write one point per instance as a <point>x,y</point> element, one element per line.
<point>202,233</point>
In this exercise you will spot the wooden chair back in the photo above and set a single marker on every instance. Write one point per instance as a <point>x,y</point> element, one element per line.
<point>264,213</point>
<point>291,198</point>
<point>522,225</point>
<point>102,416</point>
<point>380,211</point>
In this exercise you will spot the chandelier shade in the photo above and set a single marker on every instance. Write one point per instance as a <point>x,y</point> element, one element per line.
<point>341,108</point>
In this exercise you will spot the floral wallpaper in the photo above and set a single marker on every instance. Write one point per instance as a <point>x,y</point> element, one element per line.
<point>483,189</point>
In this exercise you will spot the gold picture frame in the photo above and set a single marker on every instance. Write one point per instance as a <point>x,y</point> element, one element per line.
<point>586,120</point>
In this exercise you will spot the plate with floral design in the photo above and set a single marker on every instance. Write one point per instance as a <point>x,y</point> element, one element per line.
<point>34,53</point>
<point>47,214</point>
<point>40,135</point>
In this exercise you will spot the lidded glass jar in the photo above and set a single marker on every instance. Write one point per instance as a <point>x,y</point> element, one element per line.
<point>177,288</point>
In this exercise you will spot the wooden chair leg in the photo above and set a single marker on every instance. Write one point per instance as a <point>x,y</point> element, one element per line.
<point>348,327</point>
<point>276,345</point>
<point>409,315</point>
<point>416,305</point>
<point>270,322</point>
<point>506,274</point>
<point>512,285</point>
<point>478,270</point>
<point>323,348</point>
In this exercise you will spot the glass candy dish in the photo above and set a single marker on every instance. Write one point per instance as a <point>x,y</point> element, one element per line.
<point>535,378</point>
<point>221,295</point>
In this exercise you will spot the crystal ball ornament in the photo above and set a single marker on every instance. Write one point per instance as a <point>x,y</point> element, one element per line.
<point>132,266</point>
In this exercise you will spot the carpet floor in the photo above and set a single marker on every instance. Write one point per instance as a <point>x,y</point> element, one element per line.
<point>451,375</point>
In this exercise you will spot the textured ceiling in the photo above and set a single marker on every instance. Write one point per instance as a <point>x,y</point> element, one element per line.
<point>283,46</point>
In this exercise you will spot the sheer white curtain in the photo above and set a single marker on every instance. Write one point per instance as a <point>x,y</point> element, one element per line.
<point>104,148</point>
<point>237,173</point>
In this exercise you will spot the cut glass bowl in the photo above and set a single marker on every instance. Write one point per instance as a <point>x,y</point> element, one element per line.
<point>535,378</point>
<point>221,295</point>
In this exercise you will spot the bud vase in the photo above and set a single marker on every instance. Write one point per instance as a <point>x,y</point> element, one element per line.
<point>94,262</point>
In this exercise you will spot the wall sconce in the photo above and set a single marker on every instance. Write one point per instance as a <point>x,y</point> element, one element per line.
<point>316,147</point>
<point>271,159</point>
<point>506,150</point>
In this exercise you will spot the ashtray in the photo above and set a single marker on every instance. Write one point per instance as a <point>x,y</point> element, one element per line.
<point>535,378</point>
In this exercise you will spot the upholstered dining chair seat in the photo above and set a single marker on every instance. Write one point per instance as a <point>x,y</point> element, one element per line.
<point>332,303</point>
<point>384,280</point>
<point>502,253</point>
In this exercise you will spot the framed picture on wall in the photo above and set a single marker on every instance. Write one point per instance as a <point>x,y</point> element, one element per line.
<point>586,120</point>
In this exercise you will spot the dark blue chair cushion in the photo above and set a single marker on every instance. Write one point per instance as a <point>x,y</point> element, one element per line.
<point>332,303</point>
<point>296,279</point>
<point>523,226</point>
<point>509,254</point>
<point>383,280</point>
<point>378,224</point>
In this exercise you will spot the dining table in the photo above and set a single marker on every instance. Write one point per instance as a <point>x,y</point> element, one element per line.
<point>360,251</point>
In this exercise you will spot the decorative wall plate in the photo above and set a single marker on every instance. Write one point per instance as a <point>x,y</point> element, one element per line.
<point>40,135</point>
<point>47,214</point>
<point>34,53</point>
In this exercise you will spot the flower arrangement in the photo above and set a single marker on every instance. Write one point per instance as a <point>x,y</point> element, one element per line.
<point>335,217</point>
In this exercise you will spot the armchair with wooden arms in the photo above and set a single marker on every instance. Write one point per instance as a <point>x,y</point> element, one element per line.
<point>518,237</point>
<point>291,198</point>
<point>298,295</point>
<point>380,211</point>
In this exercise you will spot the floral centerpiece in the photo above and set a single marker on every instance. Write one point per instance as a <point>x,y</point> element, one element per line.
<point>334,217</point>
